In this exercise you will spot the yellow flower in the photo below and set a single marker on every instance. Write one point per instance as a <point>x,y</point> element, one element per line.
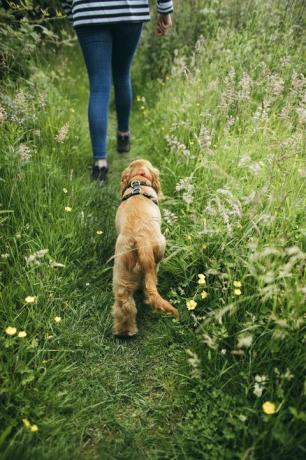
<point>65,190</point>
<point>68,209</point>
<point>30,299</point>
<point>191,304</point>
<point>34,428</point>
<point>57,319</point>
<point>204,246</point>
<point>201,279</point>
<point>269,408</point>
<point>237,284</point>
<point>10,330</point>
<point>204,294</point>
<point>99,232</point>
<point>142,107</point>
<point>138,98</point>
<point>189,237</point>
<point>26,423</point>
<point>22,334</point>
<point>237,291</point>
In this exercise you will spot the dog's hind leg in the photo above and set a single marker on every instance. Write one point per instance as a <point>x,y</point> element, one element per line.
<point>124,313</point>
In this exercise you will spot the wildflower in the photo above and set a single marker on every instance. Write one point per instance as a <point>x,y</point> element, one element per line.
<point>245,341</point>
<point>258,389</point>
<point>26,423</point>
<point>24,153</point>
<point>10,330</point>
<point>138,98</point>
<point>169,216</point>
<point>191,304</point>
<point>201,279</point>
<point>34,428</point>
<point>242,417</point>
<point>142,107</point>
<point>204,295</point>
<point>65,190</point>
<point>68,209</point>
<point>5,256</point>
<point>237,291</point>
<point>237,284</point>
<point>30,299</point>
<point>269,408</point>
<point>57,319</point>
<point>62,133</point>
<point>22,334</point>
<point>32,258</point>
<point>54,264</point>
<point>87,284</point>
<point>99,232</point>
<point>223,351</point>
<point>2,114</point>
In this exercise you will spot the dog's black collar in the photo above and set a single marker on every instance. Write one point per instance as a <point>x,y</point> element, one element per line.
<point>136,190</point>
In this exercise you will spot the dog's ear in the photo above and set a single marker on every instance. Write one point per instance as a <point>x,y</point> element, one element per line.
<point>156,183</point>
<point>125,179</point>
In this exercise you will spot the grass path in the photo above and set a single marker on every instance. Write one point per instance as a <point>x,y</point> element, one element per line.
<point>130,396</point>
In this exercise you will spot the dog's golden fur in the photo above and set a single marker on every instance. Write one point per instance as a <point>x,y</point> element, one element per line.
<point>140,247</point>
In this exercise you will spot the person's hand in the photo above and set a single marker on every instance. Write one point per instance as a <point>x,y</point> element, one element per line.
<point>163,24</point>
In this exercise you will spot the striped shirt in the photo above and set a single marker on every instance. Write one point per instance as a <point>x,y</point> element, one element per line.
<point>81,12</point>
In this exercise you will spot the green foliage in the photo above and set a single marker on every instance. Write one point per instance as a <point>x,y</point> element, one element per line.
<point>224,122</point>
<point>24,28</point>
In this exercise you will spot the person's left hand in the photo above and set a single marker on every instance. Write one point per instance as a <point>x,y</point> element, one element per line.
<point>163,24</point>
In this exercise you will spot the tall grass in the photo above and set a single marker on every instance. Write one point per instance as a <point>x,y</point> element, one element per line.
<point>223,118</point>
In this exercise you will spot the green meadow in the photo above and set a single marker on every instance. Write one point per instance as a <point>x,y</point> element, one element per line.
<point>220,110</point>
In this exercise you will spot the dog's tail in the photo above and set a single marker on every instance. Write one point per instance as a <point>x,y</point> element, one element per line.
<point>148,264</point>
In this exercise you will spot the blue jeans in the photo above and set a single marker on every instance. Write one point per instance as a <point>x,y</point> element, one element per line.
<point>108,50</point>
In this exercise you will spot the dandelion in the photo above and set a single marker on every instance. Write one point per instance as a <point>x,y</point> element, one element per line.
<point>237,284</point>
<point>201,279</point>
<point>33,428</point>
<point>26,423</point>
<point>99,232</point>
<point>22,334</point>
<point>30,299</point>
<point>62,133</point>
<point>269,408</point>
<point>237,292</point>
<point>57,319</point>
<point>68,209</point>
<point>204,295</point>
<point>191,304</point>
<point>65,190</point>
<point>10,330</point>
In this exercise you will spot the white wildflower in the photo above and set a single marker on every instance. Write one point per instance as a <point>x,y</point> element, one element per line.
<point>62,134</point>
<point>24,153</point>
<point>32,259</point>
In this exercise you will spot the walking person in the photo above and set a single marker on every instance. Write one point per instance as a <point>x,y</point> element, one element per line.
<point>108,32</point>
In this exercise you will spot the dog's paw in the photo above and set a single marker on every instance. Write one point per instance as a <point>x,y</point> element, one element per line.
<point>125,332</point>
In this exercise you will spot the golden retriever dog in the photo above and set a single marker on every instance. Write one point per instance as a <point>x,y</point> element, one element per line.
<point>140,246</point>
